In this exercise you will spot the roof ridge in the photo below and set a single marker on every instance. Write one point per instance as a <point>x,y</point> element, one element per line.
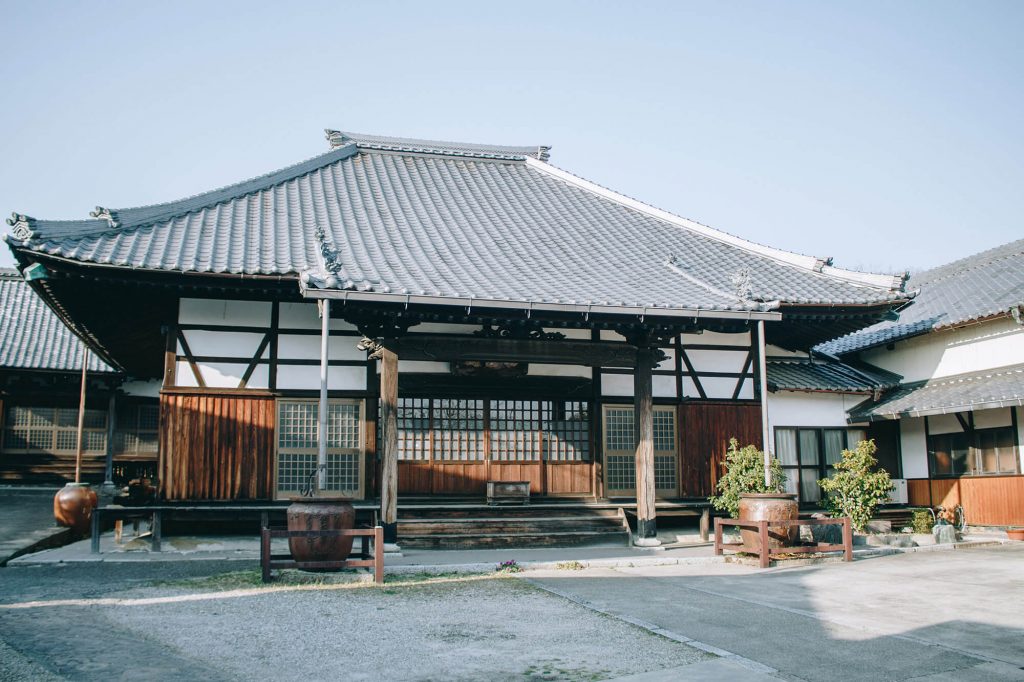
<point>822,266</point>
<point>338,138</point>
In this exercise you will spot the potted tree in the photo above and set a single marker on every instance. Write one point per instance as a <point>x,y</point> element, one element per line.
<point>857,487</point>
<point>753,489</point>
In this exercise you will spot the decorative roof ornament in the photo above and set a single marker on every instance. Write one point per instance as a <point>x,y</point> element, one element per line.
<point>330,256</point>
<point>543,152</point>
<point>21,227</point>
<point>741,283</point>
<point>105,214</point>
<point>336,138</point>
<point>821,263</point>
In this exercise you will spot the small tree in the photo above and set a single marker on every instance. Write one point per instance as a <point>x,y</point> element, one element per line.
<point>744,473</point>
<point>855,489</point>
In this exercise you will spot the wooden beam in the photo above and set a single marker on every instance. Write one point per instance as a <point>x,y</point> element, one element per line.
<point>446,349</point>
<point>389,428</point>
<point>170,357</point>
<point>646,528</point>
<point>191,359</point>
<point>255,360</point>
<point>743,376</point>
<point>692,374</point>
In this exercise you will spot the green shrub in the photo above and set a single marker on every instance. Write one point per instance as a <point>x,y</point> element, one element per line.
<point>922,521</point>
<point>856,489</point>
<point>744,473</point>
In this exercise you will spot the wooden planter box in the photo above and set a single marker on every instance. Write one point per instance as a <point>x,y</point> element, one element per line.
<point>515,492</point>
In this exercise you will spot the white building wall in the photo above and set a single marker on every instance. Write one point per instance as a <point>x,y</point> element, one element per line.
<point>797,408</point>
<point>973,348</point>
<point>913,447</point>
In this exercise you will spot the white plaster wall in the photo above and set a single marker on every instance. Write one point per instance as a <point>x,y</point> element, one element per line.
<point>718,339</point>
<point>307,347</point>
<point>954,351</point>
<point>1020,435</point>
<point>913,447</point>
<point>663,387</point>
<point>299,377</point>
<point>142,389</point>
<point>305,316</point>
<point>224,312</point>
<point>944,423</point>
<point>991,419</point>
<point>420,367</point>
<point>776,352</point>
<point>796,408</point>
<point>716,360</point>
<point>537,369</point>
<point>617,384</point>
<point>222,344</point>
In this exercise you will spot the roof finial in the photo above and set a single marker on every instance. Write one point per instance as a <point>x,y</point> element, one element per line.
<point>543,152</point>
<point>105,214</point>
<point>336,138</point>
<point>22,226</point>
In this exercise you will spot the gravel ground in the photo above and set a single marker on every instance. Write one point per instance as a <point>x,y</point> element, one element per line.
<point>481,628</point>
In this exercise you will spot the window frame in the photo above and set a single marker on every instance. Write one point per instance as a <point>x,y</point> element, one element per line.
<point>359,492</point>
<point>822,468</point>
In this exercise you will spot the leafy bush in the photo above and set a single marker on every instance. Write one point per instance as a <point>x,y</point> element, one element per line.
<point>744,473</point>
<point>922,521</point>
<point>856,489</point>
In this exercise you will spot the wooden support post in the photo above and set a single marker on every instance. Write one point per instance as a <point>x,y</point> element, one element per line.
<point>81,416</point>
<point>378,555</point>
<point>646,525</point>
<point>718,537</point>
<point>265,553</point>
<point>389,429</point>
<point>705,517</point>
<point>156,529</point>
<point>108,470</point>
<point>764,550</point>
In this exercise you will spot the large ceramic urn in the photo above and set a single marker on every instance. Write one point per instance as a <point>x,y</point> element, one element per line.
<point>73,505</point>
<point>769,507</point>
<point>320,513</point>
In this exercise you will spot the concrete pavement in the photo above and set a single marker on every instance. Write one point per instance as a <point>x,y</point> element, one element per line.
<point>26,521</point>
<point>935,616</point>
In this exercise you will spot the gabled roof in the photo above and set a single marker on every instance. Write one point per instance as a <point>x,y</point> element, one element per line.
<point>799,374</point>
<point>31,336</point>
<point>987,284</point>
<point>1000,387</point>
<point>398,219</point>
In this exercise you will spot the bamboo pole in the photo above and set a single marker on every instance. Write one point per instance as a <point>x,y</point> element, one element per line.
<point>81,417</point>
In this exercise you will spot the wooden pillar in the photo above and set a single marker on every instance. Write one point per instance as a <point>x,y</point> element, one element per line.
<point>646,527</point>
<point>389,446</point>
<point>108,470</point>
<point>81,416</point>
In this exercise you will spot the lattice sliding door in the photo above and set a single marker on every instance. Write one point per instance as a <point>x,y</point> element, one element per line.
<point>297,441</point>
<point>620,451</point>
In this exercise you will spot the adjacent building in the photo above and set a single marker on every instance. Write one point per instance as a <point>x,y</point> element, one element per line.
<point>957,412</point>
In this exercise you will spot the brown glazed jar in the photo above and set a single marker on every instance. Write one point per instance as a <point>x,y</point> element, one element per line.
<point>769,507</point>
<point>321,513</point>
<point>73,505</point>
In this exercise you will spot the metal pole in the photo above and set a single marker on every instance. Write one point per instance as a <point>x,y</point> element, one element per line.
<point>763,372</point>
<point>325,337</point>
<point>81,417</point>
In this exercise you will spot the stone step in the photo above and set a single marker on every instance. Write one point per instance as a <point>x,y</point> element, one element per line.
<point>513,540</point>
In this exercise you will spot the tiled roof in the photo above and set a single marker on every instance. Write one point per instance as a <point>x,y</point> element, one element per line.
<point>992,388</point>
<point>450,222</point>
<point>31,336</point>
<point>979,286</point>
<point>797,374</point>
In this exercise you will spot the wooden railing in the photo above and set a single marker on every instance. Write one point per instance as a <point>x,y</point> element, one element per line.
<point>375,561</point>
<point>765,551</point>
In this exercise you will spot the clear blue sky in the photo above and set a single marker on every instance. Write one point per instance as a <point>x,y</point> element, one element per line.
<point>888,135</point>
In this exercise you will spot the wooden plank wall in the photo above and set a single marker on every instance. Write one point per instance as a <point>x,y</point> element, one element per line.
<point>987,500</point>
<point>216,447</point>
<point>704,431</point>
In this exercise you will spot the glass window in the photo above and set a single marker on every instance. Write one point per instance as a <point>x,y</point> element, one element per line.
<point>978,453</point>
<point>809,455</point>
<point>297,443</point>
